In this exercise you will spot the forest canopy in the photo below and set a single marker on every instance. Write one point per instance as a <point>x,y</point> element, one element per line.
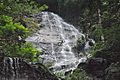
<point>13,28</point>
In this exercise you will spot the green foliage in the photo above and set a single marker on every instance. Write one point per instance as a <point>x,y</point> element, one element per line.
<point>60,75</point>
<point>77,75</point>
<point>112,35</point>
<point>97,47</point>
<point>97,33</point>
<point>97,18</point>
<point>29,52</point>
<point>32,24</point>
<point>21,10</point>
<point>11,30</point>
<point>12,36</point>
<point>112,38</point>
<point>17,8</point>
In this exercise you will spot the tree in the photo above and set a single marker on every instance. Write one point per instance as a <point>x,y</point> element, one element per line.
<point>19,8</point>
<point>12,39</point>
<point>13,15</point>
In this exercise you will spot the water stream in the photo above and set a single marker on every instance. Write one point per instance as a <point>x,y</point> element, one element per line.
<point>57,39</point>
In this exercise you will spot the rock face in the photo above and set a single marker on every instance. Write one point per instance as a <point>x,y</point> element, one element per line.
<point>17,69</point>
<point>56,39</point>
<point>95,67</point>
<point>100,69</point>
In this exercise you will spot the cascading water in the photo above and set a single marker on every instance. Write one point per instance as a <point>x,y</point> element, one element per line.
<point>56,38</point>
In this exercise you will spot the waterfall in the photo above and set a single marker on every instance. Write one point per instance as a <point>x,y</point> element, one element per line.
<point>57,39</point>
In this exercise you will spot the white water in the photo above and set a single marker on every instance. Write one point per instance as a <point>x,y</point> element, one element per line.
<point>58,37</point>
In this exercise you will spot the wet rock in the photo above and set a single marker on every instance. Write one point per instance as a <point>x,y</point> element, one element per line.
<point>89,44</point>
<point>18,69</point>
<point>56,38</point>
<point>68,72</point>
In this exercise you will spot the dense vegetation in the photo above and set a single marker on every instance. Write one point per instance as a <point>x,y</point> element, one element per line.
<point>14,28</point>
<point>97,19</point>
